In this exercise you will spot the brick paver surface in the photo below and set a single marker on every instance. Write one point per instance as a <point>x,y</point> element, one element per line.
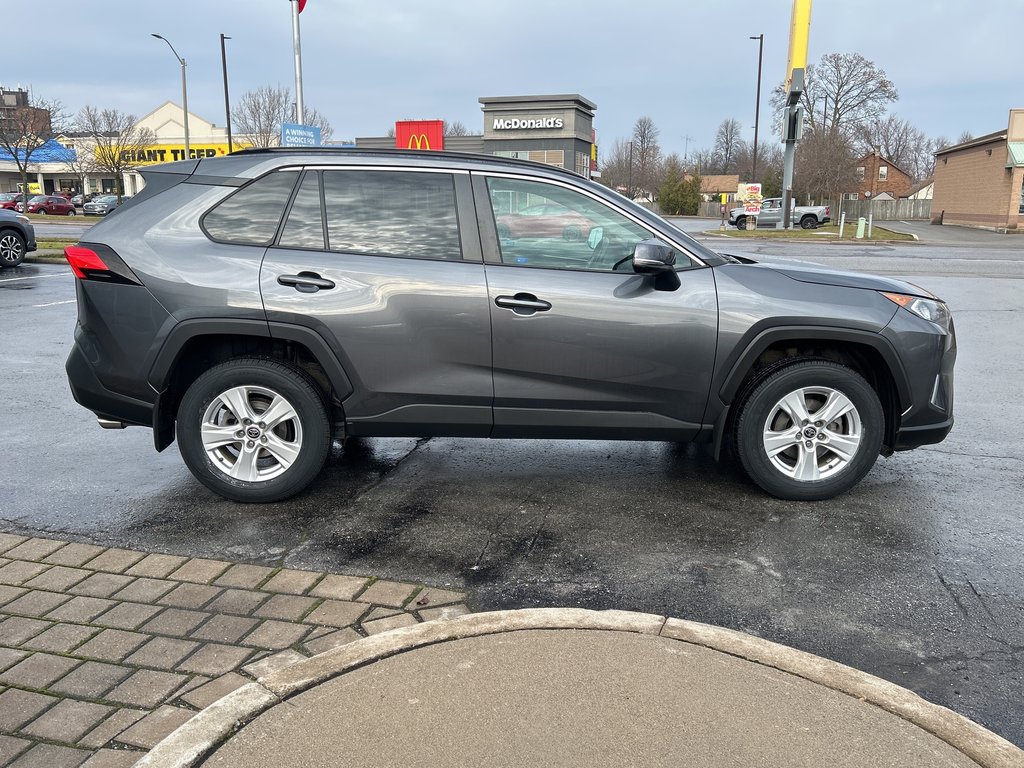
<point>103,652</point>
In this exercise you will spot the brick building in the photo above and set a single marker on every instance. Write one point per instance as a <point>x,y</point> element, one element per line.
<point>876,175</point>
<point>978,183</point>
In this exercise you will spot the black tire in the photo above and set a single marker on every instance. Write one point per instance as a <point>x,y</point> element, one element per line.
<point>12,248</point>
<point>305,437</point>
<point>72,212</point>
<point>741,222</point>
<point>572,234</point>
<point>763,416</point>
<point>808,222</point>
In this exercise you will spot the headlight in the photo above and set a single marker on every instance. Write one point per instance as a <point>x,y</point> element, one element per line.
<point>928,309</point>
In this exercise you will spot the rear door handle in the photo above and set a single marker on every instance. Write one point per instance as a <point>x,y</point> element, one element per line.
<point>523,303</point>
<point>305,282</point>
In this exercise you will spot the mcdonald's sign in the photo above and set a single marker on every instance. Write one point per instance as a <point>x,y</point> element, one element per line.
<point>419,134</point>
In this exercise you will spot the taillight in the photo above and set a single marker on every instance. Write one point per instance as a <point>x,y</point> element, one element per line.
<point>828,210</point>
<point>92,261</point>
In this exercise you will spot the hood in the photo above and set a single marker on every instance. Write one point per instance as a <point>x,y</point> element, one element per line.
<point>808,272</point>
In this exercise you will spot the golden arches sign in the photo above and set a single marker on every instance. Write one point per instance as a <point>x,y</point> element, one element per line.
<point>419,141</point>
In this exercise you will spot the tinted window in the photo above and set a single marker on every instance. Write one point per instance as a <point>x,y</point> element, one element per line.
<point>305,225</point>
<point>543,225</point>
<point>392,213</point>
<point>252,214</point>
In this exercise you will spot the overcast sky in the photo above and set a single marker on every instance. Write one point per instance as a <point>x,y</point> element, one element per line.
<point>958,64</point>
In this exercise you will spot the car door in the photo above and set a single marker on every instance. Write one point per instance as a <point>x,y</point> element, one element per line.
<point>770,215</point>
<point>582,346</point>
<point>385,265</point>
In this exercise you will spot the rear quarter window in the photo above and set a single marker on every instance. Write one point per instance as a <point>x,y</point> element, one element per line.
<point>251,215</point>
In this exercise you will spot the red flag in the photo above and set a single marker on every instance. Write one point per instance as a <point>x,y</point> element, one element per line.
<point>302,5</point>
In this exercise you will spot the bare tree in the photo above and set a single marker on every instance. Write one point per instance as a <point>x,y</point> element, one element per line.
<point>964,137</point>
<point>614,166</point>
<point>825,165</point>
<point>455,128</point>
<point>80,162</point>
<point>118,141</point>
<point>25,129</point>
<point>646,157</point>
<point>258,116</point>
<point>842,92</point>
<point>728,144</point>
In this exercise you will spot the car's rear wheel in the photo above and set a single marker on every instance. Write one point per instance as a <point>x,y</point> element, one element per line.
<point>71,212</point>
<point>808,222</point>
<point>12,248</point>
<point>254,430</point>
<point>809,431</point>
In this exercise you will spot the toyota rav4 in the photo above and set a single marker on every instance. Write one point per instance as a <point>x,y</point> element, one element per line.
<point>256,306</point>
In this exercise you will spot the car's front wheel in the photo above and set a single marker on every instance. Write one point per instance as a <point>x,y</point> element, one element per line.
<point>12,249</point>
<point>741,222</point>
<point>254,430</point>
<point>810,430</point>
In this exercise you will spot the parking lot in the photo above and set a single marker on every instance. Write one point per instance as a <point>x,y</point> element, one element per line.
<point>914,576</point>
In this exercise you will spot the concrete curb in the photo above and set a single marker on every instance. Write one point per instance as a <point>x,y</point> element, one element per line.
<point>759,239</point>
<point>193,741</point>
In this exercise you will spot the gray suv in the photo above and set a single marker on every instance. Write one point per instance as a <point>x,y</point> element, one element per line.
<point>256,306</point>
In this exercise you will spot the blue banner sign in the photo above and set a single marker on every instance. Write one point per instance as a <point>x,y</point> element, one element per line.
<point>293,135</point>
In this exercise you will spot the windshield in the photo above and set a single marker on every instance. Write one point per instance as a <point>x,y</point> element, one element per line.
<point>105,199</point>
<point>38,199</point>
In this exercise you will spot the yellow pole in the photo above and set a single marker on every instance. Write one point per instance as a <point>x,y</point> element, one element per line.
<point>799,32</point>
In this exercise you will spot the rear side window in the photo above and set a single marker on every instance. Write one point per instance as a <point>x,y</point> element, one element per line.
<point>392,213</point>
<point>252,214</point>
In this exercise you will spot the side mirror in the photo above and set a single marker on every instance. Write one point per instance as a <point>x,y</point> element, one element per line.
<point>653,256</point>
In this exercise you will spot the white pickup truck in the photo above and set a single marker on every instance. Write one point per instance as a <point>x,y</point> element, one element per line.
<point>807,216</point>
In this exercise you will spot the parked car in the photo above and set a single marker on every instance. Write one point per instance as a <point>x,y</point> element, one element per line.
<point>54,205</point>
<point>804,216</point>
<point>9,200</point>
<point>102,205</point>
<point>254,307</point>
<point>17,238</point>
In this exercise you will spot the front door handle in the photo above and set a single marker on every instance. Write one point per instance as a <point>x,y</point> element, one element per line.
<point>523,303</point>
<point>305,282</point>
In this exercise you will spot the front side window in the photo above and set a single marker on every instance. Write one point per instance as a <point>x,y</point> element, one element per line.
<point>544,225</point>
<point>252,214</point>
<point>392,213</point>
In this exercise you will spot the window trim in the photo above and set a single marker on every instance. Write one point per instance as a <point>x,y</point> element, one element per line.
<point>490,230</point>
<point>288,212</point>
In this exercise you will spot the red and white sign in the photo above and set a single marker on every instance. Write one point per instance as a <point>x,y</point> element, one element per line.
<point>419,134</point>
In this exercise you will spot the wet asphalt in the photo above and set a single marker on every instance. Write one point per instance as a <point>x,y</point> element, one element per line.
<point>916,575</point>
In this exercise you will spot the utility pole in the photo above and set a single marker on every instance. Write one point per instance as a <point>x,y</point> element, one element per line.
<point>227,101</point>
<point>793,115</point>
<point>757,103</point>
<point>297,45</point>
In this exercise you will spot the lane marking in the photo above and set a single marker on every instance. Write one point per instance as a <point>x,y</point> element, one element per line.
<point>34,277</point>
<point>55,303</point>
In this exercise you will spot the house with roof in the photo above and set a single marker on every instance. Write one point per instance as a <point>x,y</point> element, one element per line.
<point>978,183</point>
<point>878,178</point>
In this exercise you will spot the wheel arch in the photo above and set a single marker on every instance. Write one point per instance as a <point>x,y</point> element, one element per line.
<point>865,352</point>
<point>194,346</point>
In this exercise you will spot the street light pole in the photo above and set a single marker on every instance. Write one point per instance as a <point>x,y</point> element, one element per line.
<point>227,101</point>
<point>757,103</point>
<point>300,112</point>
<point>184,89</point>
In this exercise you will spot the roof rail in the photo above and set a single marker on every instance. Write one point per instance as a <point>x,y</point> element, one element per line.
<point>423,153</point>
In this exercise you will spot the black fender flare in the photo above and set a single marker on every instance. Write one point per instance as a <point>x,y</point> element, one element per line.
<point>162,366</point>
<point>730,384</point>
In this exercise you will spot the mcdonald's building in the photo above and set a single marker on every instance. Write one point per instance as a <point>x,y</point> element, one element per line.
<point>555,129</point>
